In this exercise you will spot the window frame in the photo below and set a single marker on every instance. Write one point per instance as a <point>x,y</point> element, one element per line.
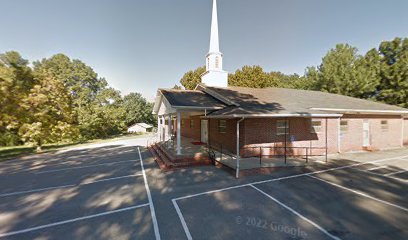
<point>313,127</point>
<point>384,127</point>
<point>222,128</point>
<point>344,128</point>
<point>285,128</point>
<point>217,62</point>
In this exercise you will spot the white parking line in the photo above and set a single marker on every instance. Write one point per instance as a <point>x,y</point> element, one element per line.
<point>67,186</point>
<point>7,234</point>
<point>36,190</point>
<point>87,166</point>
<point>288,177</point>
<point>149,196</point>
<point>361,193</point>
<point>382,175</point>
<point>376,168</point>
<point>296,213</point>
<point>395,173</point>
<point>183,222</point>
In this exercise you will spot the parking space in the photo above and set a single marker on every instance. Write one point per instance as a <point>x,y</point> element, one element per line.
<point>104,193</point>
<point>340,202</point>
<point>395,168</point>
<point>76,195</point>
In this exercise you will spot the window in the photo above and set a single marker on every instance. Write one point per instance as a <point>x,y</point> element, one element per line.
<point>208,63</point>
<point>182,122</point>
<point>222,126</point>
<point>384,125</point>
<point>282,127</point>
<point>343,126</point>
<point>217,62</point>
<point>191,123</point>
<point>315,126</point>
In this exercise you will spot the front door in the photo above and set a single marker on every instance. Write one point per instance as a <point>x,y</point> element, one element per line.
<point>366,133</point>
<point>204,131</point>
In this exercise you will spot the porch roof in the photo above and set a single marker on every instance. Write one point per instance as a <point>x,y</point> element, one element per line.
<point>187,99</point>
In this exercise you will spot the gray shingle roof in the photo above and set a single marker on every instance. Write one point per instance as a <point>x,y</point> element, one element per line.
<point>190,98</point>
<point>291,101</point>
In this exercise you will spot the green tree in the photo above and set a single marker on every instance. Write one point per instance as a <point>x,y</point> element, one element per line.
<point>393,87</point>
<point>192,78</point>
<point>104,116</point>
<point>137,109</point>
<point>177,87</point>
<point>88,93</point>
<point>256,77</point>
<point>16,81</point>
<point>249,76</point>
<point>344,72</point>
<point>51,116</point>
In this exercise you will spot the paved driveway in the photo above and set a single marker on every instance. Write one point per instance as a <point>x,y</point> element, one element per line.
<point>111,191</point>
<point>93,192</point>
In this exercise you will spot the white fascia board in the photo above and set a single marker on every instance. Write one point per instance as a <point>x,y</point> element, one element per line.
<point>157,102</point>
<point>165,108</point>
<point>196,108</point>
<point>276,115</point>
<point>361,110</point>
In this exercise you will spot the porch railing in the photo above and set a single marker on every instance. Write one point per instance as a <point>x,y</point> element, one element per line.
<point>216,149</point>
<point>298,152</point>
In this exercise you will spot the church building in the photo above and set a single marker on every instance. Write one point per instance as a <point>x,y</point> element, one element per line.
<point>255,123</point>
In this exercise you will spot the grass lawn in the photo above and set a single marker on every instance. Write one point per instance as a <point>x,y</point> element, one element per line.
<point>7,153</point>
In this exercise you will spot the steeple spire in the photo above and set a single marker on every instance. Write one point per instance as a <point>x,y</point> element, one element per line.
<point>214,41</point>
<point>214,76</point>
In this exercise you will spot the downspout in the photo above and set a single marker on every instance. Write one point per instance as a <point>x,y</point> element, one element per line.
<point>402,131</point>
<point>238,157</point>
<point>339,135</point>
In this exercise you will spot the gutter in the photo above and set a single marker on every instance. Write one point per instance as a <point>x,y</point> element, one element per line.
<point>275,115</point>
<point>361,110</point>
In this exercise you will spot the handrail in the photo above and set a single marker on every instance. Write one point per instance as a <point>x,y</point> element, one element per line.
<point>308,152</point>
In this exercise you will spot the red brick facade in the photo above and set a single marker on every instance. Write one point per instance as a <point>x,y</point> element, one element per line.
<point>384,132</point>
<point>405,131</point>
<point>191,130</point>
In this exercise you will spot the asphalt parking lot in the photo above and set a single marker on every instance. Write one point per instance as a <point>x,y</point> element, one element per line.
<point>93,193</point>
<point>113,192</point>
<point>344,201</point>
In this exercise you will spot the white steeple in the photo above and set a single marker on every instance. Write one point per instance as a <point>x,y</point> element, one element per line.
<point>214,40</point>
<point>214,75</point>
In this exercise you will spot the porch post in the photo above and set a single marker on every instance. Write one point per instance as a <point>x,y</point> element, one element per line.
<point>326,139</point>
<point>169,123</point>
<point>178,133</point>
<point>238,148</point>
<point>159,128</point>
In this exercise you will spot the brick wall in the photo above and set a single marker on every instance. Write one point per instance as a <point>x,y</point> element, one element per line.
<point>352,140</point>
<point>227,139</point>
<point>194,131</point>
<point>261,132</point>
<point>405,131</point>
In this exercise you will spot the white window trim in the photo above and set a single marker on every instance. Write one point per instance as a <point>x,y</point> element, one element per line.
<point>222,127</point>
<point>286,132</point>
<point>313,128</point>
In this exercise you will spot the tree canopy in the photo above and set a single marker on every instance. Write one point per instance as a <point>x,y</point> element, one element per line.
<point>381,74</point>
<point>61,100</point>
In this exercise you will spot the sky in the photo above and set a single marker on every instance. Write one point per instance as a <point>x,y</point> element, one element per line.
<point>141,45</point>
